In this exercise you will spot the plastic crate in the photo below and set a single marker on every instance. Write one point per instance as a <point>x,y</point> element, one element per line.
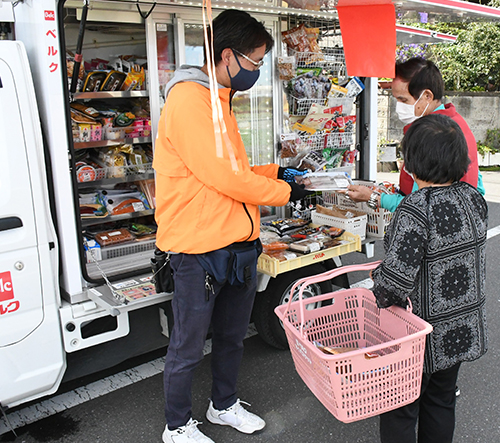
<point>382,373</point>
<point>355,225</point>
<point>377,222</point>
<point>377,219</point>
<point>272,266</point>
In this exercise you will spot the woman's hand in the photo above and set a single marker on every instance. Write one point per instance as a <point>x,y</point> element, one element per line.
<point>359,193</point>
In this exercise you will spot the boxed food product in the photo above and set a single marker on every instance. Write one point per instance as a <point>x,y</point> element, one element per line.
<point>114,237</point>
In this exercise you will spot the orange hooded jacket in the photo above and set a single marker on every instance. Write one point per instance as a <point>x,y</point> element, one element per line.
<point>201,203</point>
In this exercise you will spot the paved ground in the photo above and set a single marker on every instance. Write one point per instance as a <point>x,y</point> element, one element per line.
<point>268,380</point>
<point>491,181</point>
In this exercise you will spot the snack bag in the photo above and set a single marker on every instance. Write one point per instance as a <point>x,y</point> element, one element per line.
<point>288,145</point>
<point>70,64</point>
<point>296,39</point>
<point>337,92</point>
<point>134,80</point>
<point>286,67</point>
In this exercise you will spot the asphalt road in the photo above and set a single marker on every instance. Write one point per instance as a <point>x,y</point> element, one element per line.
<point>134,414</point>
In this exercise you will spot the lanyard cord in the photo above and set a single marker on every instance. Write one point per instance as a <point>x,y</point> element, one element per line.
<point>220,130</point>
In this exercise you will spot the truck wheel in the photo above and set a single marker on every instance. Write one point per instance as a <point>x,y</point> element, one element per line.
<point>268,325</point>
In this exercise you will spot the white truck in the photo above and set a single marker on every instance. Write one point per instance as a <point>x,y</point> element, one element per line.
<point>66,309</point>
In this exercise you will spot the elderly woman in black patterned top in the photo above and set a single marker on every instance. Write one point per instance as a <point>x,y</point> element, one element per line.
<point>435,254</point>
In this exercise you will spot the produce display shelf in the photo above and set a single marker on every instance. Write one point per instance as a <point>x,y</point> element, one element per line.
<point>272,266</point>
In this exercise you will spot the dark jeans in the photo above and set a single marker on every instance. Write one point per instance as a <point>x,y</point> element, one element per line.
<point>434,410</point>
<point>194,309</point>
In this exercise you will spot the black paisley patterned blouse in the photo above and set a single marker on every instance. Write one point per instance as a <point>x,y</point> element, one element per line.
<point>435,250</point>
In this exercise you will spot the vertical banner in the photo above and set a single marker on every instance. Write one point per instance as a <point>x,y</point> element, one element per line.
<point>369,37</point>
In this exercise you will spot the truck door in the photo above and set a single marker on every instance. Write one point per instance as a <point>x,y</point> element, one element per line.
<point>20,286</point>
<point>30,338</point>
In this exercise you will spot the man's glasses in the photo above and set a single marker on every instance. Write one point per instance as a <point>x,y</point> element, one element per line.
<point>258,65</point>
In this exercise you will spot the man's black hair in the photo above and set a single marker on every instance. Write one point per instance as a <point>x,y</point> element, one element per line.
<point>435,150</point>
<point>421,74</point>
<point>238,30</point>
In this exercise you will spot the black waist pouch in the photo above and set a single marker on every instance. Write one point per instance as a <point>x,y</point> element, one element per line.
<point>235,264</point>
<point>163,278</point>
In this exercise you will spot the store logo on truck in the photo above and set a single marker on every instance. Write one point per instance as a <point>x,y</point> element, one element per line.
<point>50,15</point>
<point>7,302</point>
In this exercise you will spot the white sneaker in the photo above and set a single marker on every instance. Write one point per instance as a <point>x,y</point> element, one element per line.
<point>188,433</point>
<point>237,417</point>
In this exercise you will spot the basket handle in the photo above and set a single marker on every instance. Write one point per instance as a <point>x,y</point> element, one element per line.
<point>328,275</point>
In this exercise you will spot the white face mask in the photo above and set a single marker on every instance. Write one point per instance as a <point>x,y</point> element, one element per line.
<point>406,112</point>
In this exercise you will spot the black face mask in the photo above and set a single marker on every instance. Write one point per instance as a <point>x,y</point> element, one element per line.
<point>244,79</point>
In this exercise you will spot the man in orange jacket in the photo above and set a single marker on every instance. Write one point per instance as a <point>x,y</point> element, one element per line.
<point>208,217</point>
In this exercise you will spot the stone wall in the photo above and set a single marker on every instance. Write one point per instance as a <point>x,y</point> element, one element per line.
<point>481,110</point>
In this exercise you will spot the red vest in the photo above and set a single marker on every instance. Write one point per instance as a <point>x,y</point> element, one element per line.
<point>405,180</point>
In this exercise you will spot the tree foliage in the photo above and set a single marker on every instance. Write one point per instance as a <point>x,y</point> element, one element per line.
<point>472,63</point>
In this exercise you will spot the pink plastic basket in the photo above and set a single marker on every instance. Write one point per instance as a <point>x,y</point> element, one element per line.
<point>355,385</point>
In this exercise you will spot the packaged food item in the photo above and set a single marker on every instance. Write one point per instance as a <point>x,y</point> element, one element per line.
<point>113,237</point>
<point>312,161</point>
<point>324,181</point>
<point>310,85</point>
<point>349,157</point>
<point>284,226</point>
<point>115,161</point>
<point>332,231</point>
<point>113,81</point>
<point>111,133</point>
<point>306,246</point>
<point>337,91</point>
<point>97,64</point>
<point>317,118</point>
<point>122,201</point>
<point>335,211</point>
<point>86,173</point>
<point>92,250</point>
<point>87,111</point>
<point>94,81</point>
<point>137,158</point>
<point>297,39</point>
<point>274,247</point>
<point>124,119</point>
<point>70,64</point>
<point>134,80</point>
<point>354,87</point>
<point>148,189</point>
<point>282,255</point>
<point>91,205</point>
<point>286,67</point>
<point>290,145</point>
<point>80,117</point>
<point>140,230</point>
<point>333,156</point>
<point>346,123</point>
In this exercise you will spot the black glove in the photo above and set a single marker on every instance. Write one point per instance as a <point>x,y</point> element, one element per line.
<point>289,174</point>
<point>298,192</point>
